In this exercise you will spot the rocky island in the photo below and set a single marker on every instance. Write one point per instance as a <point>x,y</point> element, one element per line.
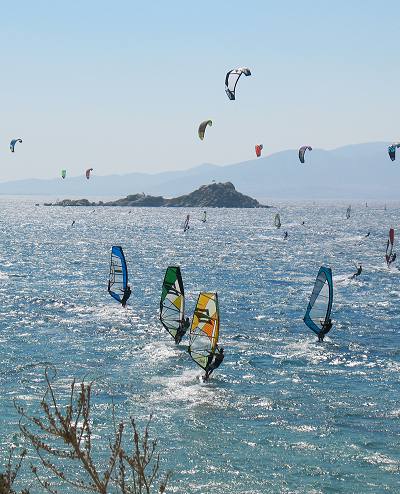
<point>215,195</point>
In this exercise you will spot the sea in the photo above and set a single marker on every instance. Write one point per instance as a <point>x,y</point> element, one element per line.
<point>283,413</point>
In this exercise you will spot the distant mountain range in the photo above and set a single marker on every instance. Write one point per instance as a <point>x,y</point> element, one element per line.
<point>359,172</point>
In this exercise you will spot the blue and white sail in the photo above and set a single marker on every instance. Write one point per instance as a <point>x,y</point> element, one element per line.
<point>320,306</point>
<point>118,278</point>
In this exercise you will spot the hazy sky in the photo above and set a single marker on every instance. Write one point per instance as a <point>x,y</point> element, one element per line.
<point>122,86</point>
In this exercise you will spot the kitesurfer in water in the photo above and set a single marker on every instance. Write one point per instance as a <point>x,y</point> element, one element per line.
<point>285,236</point>
<point>73,222</point>
<point>214,361</point>
<point>368,234</point>
<point>357,273</point>
<point>127,294</point>
<point>184,326</point>
<point>326,327</point>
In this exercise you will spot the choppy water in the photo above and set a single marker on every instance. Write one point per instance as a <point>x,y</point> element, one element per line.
<point>283,413</point>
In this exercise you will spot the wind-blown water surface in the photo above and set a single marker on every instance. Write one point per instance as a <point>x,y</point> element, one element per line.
<point>283,413</point>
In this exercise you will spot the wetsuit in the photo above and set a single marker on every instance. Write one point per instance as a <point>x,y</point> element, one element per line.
<point>127,294</point>
<point>214,361</point>
<point>326,327</point>
<point>358,272</point>
<point>182,330</point>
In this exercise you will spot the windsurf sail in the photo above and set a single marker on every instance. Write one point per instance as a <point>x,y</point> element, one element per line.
<point>348,212</point>
<point>389,246</point>
<point>319,308</point>
<point>204,330</point>
<point>204,218</point>
<point>186,223</point>
<point>172,303</point>
<point>118,278</point>
<point>277,220</point>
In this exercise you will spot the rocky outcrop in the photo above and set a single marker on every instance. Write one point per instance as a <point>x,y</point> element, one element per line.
<point>215,195</point>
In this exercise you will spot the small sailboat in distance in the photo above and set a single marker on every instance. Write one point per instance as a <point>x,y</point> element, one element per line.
<point>318,313</point>
<point>172,304</point>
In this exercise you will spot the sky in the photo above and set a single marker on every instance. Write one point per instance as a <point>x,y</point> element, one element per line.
<point>122,86</point>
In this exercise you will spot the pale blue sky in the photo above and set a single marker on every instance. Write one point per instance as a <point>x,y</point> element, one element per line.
<point>122,86</point>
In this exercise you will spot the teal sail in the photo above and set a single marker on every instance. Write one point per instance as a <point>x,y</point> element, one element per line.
<point>118,277</point>
<point>320,306</point>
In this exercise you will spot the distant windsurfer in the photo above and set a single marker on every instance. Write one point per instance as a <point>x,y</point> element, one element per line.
<point>127,294</point>
<point>325,328</point>
<point>391,259</point>
<point>214,361</point>
<point>180,333</point>
<point>357,273</point>
<point>186,225</point>
<point>285,236</point>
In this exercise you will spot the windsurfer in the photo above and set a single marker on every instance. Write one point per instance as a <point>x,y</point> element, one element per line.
<point>357,273</point>
<point>180,333</point>
<point>127,294</point>
<point>285,236</point>
<point>392,258</point>
<point>214,361</point>
<point>325,328</point>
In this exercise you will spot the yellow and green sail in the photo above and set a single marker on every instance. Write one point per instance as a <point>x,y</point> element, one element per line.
<point>172,304</point>
<point>204,331</point>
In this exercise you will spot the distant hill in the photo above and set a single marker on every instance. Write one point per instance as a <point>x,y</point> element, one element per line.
<point>360,171</point>
<point>207,196</point>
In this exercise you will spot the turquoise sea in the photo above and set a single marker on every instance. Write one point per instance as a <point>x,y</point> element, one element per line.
<point>283,414</point>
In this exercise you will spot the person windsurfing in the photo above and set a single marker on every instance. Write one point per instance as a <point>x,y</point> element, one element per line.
<point>214,361</point>
<point>180,333</point>
<point>357,273</point>
<point>285,236</point>
<point>325,328</point>
<point>127,294</point>
<point>391,259</point>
